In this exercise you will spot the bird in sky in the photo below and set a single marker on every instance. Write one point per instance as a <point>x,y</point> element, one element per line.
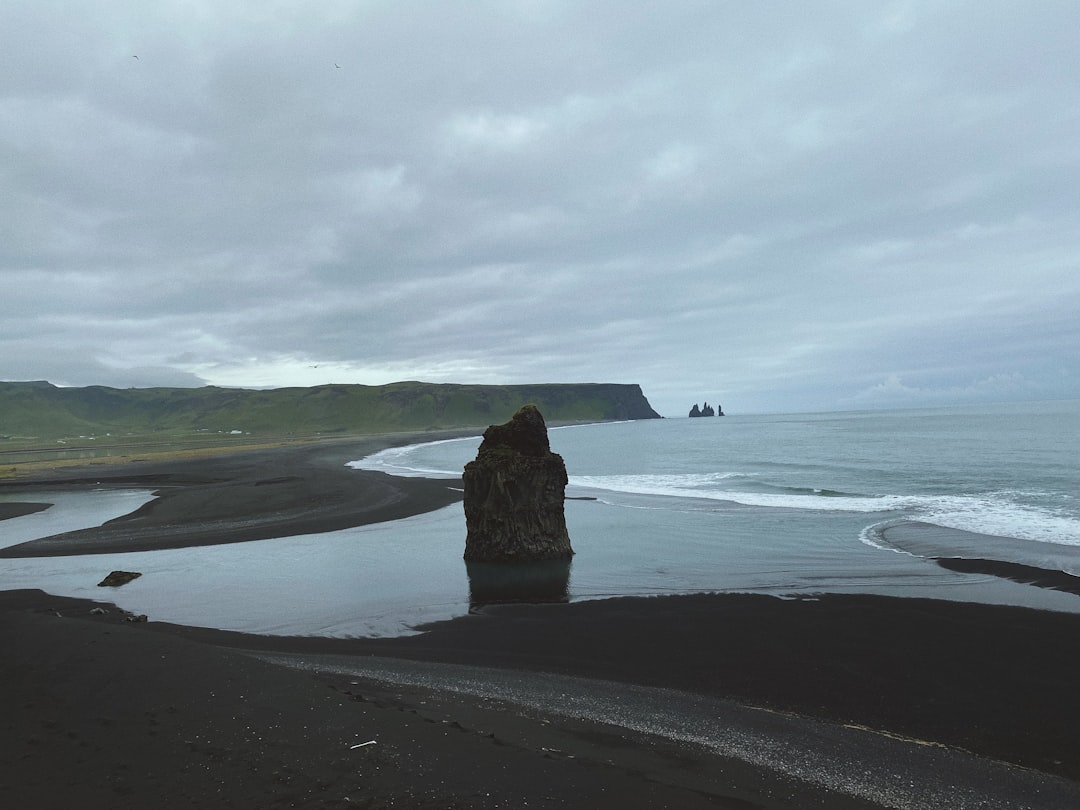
<point>337,65</point>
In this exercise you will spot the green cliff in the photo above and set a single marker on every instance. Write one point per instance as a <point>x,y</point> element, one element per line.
<point>41,411</point>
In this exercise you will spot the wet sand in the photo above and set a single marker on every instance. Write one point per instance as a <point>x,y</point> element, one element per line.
<point>237,497</point>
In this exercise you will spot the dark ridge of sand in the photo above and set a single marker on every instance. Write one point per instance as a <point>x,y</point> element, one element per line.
<point>1016,572</point>
<point>13,509</point>
<point>244,496</point>
<point>104,713</point>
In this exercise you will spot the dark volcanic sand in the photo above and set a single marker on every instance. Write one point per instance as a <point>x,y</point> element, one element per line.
<point>14,509</point>
<point>99,712</point>
<point>253,495</point>
<point>104,713</point>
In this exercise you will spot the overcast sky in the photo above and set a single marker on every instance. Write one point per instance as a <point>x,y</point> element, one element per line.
<point>778,206</point>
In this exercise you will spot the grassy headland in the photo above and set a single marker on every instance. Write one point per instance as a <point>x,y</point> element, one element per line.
<point>45,425</point>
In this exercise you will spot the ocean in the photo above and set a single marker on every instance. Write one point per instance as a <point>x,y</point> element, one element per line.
<point>796,505</point>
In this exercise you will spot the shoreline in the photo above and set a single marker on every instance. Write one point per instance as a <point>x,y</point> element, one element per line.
<point>238,497</point>
<point>955,691</point>
<point>151,712</point>
<point>993,679</point>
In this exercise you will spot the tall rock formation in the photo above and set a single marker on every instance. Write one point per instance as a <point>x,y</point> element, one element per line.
<point>707,410</point>
<point>514,493</point>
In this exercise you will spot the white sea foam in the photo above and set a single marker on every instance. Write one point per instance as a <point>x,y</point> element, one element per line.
<point>883,474</point>
<point>872,536</point>
<point>397,461</point>
<point>1006,513</point>
<point>934,541</point>
<point>994,514</point>
<point>1005,519</point>
<point>709,486</point>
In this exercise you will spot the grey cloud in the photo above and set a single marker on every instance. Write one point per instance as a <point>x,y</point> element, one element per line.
<point>804,208</point>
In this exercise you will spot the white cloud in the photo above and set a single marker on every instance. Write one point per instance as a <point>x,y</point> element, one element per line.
<point>893,392</point>
<point>785,208</point>
<point>492,131</point>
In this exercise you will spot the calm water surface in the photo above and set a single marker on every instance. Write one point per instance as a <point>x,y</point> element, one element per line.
<point>788,505</point>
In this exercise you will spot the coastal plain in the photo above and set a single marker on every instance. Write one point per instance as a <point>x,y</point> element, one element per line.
<point>902,702</point>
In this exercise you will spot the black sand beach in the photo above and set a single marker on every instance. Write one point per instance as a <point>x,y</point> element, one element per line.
<point>103,712</point>
<point>108,713</point>
<point>237,497</point>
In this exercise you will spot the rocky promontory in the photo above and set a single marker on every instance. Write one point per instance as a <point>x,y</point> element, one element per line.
<point>706,410</point>
<point>514,494</point>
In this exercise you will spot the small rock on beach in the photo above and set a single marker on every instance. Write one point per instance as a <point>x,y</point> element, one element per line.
<point>117,578</point>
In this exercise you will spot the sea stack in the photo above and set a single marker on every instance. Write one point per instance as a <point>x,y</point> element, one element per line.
<point>514,494</point>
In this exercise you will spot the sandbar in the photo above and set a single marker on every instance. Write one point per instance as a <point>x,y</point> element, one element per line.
<point>236,497</point>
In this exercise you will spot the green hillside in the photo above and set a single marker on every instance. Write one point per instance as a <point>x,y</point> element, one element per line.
<point>34,412</point>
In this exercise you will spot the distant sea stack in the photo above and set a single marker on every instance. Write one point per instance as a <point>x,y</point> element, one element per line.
<point>514,494</point>
<point>706,410</point>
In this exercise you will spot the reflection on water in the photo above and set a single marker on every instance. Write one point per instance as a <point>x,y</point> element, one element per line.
<point>68,511</point>
<point>388,578</point>
<point>543,581</point>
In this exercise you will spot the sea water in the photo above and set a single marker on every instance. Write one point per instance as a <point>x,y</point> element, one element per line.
<point>793,505</point>
<point>805,503</point>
